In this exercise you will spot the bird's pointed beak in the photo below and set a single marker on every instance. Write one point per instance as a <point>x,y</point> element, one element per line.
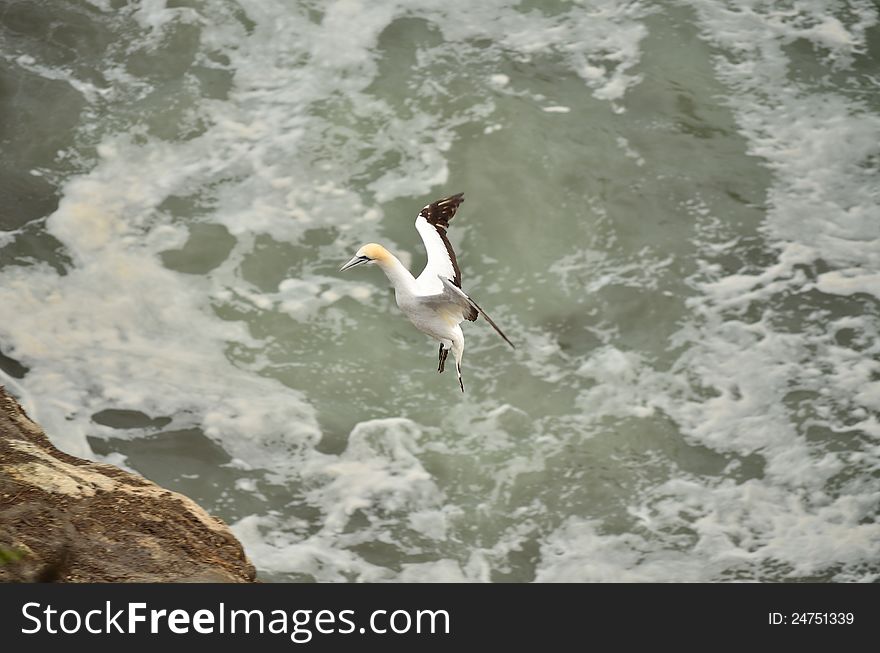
<point>354,262</point>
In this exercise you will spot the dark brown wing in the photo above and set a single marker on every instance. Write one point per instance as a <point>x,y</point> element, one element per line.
<point>437,215</point>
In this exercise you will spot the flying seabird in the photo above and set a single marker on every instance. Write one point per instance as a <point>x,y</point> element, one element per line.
<point>434,302</point>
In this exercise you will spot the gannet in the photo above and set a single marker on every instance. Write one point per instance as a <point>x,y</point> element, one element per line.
<point>434,302</point>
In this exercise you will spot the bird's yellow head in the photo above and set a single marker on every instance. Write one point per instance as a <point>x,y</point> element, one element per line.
<point>369,253</point>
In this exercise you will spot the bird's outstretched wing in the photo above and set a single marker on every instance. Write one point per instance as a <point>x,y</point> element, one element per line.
<point>455,295</point>
<point>432,223</point>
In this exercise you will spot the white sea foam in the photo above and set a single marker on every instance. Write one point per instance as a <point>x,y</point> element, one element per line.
<point>556,109</point>
<point>823,208</point>
<point>849,281</point>
<point>93,333</point>
<point>580,552</point>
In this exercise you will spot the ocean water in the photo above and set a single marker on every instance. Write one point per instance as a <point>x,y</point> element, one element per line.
<point>672,208</point>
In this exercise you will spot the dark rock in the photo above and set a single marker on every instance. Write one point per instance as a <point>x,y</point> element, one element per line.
<point>64,519</point>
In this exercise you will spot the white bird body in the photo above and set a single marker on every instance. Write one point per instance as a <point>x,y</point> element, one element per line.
<point>433,302</point>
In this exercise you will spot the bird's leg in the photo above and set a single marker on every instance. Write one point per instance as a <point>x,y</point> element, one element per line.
<point>458,352</point>
<point>443,354</point>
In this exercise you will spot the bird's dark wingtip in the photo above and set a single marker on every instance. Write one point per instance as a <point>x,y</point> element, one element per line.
<point>440,212</point>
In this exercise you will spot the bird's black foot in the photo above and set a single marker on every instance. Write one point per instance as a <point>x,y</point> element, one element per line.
<point>443,354</point>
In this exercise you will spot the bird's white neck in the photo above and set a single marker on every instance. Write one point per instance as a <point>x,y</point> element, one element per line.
<point>398,275</point>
